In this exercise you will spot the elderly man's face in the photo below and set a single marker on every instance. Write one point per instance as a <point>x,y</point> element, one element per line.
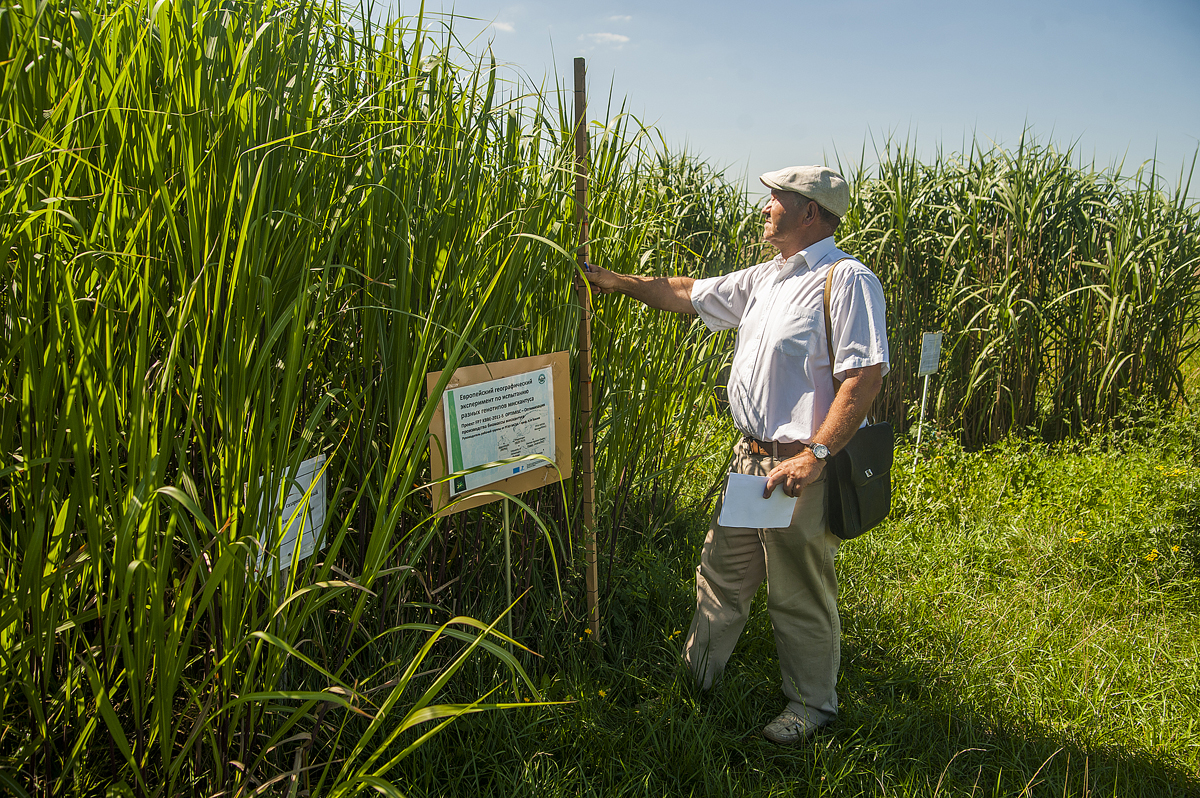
<point>781,216</point>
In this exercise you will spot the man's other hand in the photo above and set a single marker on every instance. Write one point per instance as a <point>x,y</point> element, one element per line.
<point>794,474</point>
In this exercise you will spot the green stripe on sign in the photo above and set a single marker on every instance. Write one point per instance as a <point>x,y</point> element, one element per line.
<point>452,434</point>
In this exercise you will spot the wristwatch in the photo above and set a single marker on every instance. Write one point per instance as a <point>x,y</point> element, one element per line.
<point>819,451</point>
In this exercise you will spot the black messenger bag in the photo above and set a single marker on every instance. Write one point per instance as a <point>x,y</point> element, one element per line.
<point>859,483</point>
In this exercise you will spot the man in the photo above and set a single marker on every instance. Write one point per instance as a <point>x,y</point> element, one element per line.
<point>782,398</point>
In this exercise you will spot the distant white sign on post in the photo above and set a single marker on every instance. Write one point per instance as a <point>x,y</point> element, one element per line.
<point>497,420</point>
<point>303,516</point>
<point>931,353</point>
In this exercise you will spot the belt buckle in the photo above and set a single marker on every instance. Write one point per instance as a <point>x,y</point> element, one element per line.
<point>760,448</point>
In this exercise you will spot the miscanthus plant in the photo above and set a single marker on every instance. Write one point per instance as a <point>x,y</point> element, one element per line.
<point>1064,290</point>
<point>238,235</point>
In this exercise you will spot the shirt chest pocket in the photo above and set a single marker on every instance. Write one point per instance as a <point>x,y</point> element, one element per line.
<point>797,332</point>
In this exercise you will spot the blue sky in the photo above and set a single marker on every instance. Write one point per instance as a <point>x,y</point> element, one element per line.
<point>757,86</point>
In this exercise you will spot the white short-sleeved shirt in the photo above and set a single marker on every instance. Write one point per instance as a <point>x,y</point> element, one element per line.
<point>780,386</point>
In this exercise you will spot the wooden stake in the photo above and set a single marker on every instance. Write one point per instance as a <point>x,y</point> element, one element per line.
<point>587,466</point>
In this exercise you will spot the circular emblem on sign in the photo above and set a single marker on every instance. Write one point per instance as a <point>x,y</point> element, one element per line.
<point>541,379</point>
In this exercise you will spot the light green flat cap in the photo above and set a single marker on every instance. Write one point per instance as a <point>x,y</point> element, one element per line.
<point>819,183</point>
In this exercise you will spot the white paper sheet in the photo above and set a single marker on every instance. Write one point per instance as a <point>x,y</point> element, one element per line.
<point>745,506</point>
<point>303,516</point>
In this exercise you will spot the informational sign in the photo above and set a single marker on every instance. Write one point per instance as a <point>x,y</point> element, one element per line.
<point>500,411</point>
<point>498,420</point>
<point>931,353</point>
<point>303,517</point>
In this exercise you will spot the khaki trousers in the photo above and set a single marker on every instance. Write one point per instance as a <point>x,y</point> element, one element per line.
<point>797,563</point>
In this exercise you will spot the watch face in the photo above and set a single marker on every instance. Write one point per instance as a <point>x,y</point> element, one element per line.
<point>820,451</point>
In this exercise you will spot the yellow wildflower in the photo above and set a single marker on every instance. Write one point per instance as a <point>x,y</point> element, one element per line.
<point>603,693</point>
<point>1152,556</point>
<point>1174,548</point>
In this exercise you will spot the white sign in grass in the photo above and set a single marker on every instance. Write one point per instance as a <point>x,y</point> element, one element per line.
<point>931,353</point>
<point>498,420</point>
<point>302,518</point>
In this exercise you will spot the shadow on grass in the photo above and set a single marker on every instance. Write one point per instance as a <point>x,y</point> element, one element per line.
<point>927,734</point>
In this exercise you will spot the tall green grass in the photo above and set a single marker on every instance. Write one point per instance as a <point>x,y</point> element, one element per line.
<point>238,235</point>
<point>1065,290</point>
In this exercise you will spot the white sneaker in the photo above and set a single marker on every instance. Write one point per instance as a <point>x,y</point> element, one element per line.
<point>789,728</point>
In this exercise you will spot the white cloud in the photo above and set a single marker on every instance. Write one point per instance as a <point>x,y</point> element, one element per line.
<point>606,38</point>
<point>507,27</point>
<point>621,18</point>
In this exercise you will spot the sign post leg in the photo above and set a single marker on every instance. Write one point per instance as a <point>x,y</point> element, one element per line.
<point>921,422</point>
<point>508,569</point>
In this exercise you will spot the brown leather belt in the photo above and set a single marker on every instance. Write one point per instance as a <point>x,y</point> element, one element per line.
<point>780,451</point>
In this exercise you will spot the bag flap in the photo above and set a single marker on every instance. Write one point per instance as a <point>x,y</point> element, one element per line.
<point>869,453</point>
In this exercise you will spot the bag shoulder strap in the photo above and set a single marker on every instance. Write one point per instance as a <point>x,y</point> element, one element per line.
<point>829,321</point>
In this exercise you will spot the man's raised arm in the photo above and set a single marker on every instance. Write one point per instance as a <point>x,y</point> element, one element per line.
<point>665,293</point>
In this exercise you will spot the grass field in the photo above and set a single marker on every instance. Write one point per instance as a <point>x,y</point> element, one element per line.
<point>1027,623</point>
<point>239,234</point>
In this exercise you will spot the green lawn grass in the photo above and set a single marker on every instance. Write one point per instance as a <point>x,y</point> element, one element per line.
<point>1026,623</point>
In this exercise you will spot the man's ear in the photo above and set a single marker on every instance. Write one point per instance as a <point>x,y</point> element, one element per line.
<point>812,213</point>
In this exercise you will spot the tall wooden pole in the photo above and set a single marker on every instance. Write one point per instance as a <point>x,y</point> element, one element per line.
<point>587,467</point>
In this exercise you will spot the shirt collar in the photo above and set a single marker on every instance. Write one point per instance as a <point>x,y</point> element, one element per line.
<point>805,259</point>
